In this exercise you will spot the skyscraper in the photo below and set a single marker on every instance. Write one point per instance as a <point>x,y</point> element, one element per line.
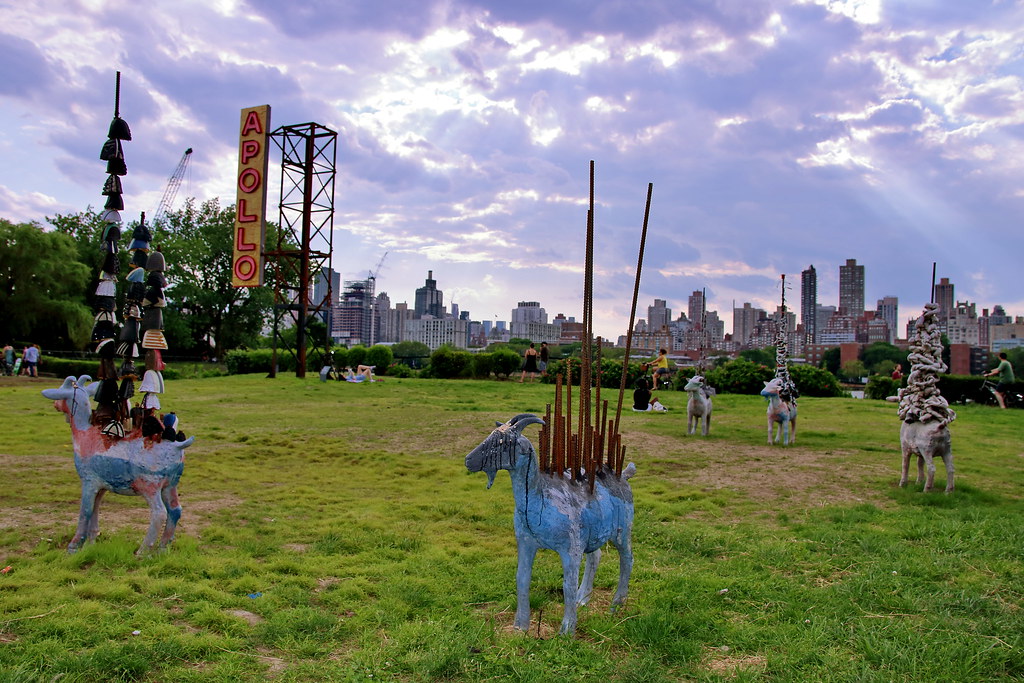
<point>695,308</point>
<point>889,310</point>
<point>429,299</point>
<point>658,315</point>
<point>809,304</point>
<point>944,298</point>
<point>851,289</point>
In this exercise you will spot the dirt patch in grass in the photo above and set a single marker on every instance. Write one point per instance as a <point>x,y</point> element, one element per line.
<point>246,616</point>
<point>55,521</point>
<point>721,662</point>
<point>796,477</point>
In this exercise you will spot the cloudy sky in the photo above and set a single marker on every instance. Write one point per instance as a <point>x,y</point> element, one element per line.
<point>777,134</point>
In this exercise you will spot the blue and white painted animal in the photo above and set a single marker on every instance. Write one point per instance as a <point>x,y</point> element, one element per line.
<point>136,465</point>
<point>552,511</point>
<point>698,406</point>
<point>780,412</point>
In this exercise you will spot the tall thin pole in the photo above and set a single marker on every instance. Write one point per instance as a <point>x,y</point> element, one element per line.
<point>632,310</point>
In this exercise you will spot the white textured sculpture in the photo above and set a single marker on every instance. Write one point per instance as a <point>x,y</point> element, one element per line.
<point>925,413</point>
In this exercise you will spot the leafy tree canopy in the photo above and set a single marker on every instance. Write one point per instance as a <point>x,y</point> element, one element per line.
<point>42,287</point>
<point>204,312</point>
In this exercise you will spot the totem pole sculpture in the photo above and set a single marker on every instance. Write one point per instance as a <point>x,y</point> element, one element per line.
<point>781,390</point>
<point>574,496</point>
<point>925,413</point>
<point>131,451</point>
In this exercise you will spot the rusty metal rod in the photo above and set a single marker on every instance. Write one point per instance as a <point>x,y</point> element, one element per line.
<point>632,310</point>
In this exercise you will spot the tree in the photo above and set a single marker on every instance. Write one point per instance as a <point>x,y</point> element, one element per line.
<point>204,312</point>
<point>411,352</point>
<point>42,287</point>
<point>877,353</point>
<point>765,356</point>
<point>380,357</point>
<point>830,360</point>
<point>853,370</point>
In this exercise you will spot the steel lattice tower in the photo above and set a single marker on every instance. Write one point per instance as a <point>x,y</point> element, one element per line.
<point>308,156</point>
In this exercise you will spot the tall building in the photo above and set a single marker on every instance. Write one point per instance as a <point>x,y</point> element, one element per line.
<point>744,322</point>
<point>528,312</point>
<point>809,304</point>
<point>851,288</point>
<point>429,299</point>
<point>695,307</point>
<point>353,319</point>
<point>658,315</point>
<point>944,298</point>
<point>888,309</point>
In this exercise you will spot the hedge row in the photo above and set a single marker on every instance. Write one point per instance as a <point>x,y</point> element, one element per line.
<point>246,361</point>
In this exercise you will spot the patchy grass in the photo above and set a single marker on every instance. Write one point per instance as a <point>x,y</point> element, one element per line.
<point>330,532</point>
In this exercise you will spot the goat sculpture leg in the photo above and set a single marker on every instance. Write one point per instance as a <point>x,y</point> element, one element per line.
<point>169,496</point>
<point>527,551</point>
<point>625,548</point>
<point>88,517</point>
<point>589,573</point>
<point>157,519</point>
<point>571,560</point>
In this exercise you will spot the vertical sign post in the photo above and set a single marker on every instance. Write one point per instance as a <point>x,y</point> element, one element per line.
<point>251,205</point>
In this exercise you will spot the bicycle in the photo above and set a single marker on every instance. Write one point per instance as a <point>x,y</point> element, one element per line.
<point>987,395</point>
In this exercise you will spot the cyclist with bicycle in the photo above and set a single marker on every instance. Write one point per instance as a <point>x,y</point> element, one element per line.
<point>1006,379</point>
<point>660,365</point>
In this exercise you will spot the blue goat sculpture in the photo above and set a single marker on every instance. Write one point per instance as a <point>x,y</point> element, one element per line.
<point>554,512</point>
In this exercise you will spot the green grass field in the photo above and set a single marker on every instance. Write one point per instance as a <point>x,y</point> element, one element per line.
<point>331,532</point>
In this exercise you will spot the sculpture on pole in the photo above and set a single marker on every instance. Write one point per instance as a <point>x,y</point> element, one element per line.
<point>925,413</point>
<point>128,450</point>
<point>573,495</point>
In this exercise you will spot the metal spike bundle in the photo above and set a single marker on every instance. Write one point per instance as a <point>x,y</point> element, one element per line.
<point>920,400</point>
<point>592,450</point>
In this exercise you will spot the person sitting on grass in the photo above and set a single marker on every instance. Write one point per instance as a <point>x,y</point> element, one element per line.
<point>643,401</point>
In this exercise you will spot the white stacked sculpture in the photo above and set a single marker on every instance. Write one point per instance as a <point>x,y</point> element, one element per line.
<point>925,413</point>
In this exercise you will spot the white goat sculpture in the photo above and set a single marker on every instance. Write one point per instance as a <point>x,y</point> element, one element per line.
<point>925,413</point>
<point>135,466</point>
<point>780,412</point>
<point>698,406</point>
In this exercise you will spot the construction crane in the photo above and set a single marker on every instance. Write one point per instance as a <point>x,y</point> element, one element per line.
<point>371,283</point>
<point>172,187</point>
<point>380,264</point>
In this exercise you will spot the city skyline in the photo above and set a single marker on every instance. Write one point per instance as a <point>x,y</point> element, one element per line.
<point>776,133</point>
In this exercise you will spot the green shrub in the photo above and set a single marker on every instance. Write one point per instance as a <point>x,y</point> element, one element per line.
<point>880,387</point>
<point>505,362</point>
<point>379,357</point>
<point>340,356</point>
<point>483,365</point>
<point>740,376</point>
<point>611,372</point>
<point>400,370</point>
<point>65,367</point>
<point>812,381</point>
<point>356,356</point>
<point>246,361</point>
<point>449,363</point>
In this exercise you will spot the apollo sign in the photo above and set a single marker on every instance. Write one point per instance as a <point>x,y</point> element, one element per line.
<point>251,204</point>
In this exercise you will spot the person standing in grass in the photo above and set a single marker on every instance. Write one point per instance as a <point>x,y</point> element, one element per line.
<point>1006,378</point>
<point>543,364</point>
<point>8,359</point>
<point>31,360</point>
<point>529,363</point>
